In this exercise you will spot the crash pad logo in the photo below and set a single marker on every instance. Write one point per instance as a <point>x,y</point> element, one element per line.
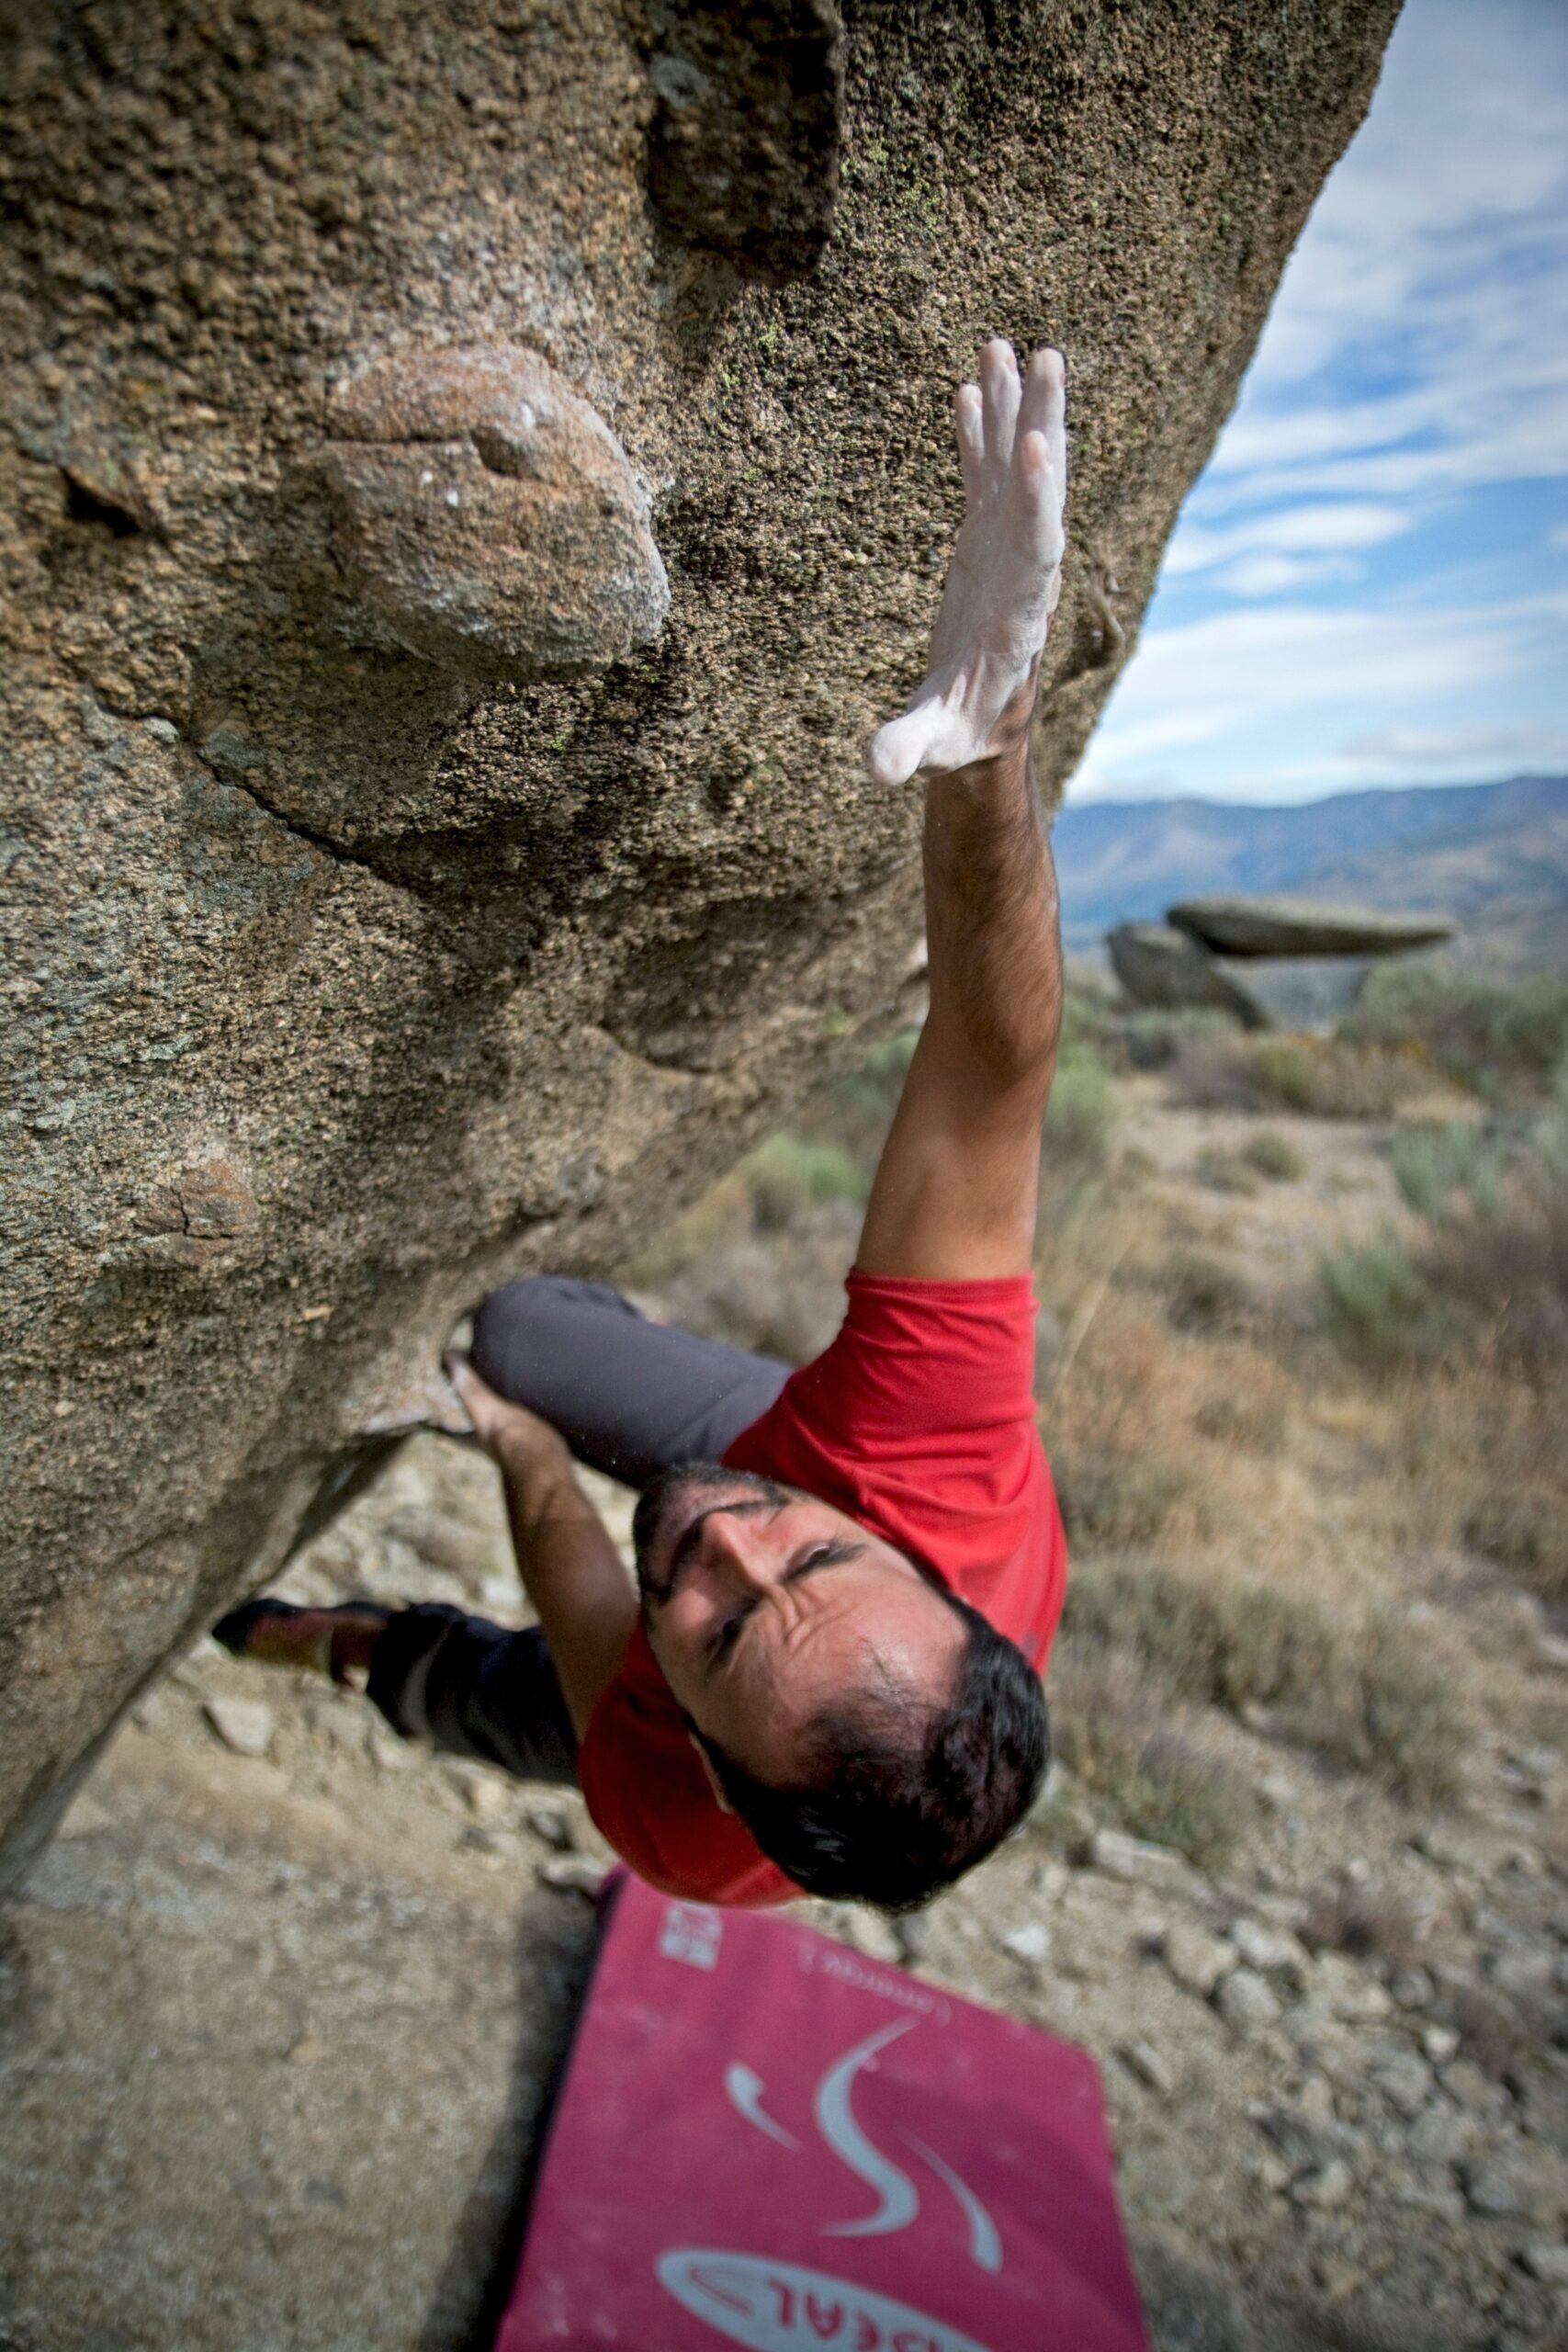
<point>897,2196</point>
<point>777,2307</point>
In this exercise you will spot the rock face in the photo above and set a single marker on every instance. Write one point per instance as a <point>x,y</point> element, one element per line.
<point>397,893</point>
<point>1300,927</point>
<point>1162,969</point>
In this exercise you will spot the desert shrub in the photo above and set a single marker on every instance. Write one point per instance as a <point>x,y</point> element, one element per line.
<point>1236,1646</point>
<point>1118,1727</point>
<point>1381,1310</point>
<point>787,1176</point>
<point>1225,1169</point>
<point>1253,1416</point>
<point>1320,1076</point>
<point>1110,1499</point>
<point>1495,1036</point>
<point>1203,1293</point>
<point>1395,1713</point>
<point>1151,1040</point>
<point>1353,1689</point>
<point>1274,1156</point>
<point>1524,1529</point>
<point>1435,1160</point>
<point>1080,1118</point>
<point>1342,1916</point>
<point>1509,1273</point>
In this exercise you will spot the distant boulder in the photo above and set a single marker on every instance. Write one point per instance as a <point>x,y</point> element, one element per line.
<point>1304,927</point>
<point>1162,969</point>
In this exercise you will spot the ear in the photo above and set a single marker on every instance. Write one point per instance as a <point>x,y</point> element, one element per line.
<point>713,1783</point>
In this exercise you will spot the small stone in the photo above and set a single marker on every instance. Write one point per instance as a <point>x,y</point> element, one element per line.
<point>1546,2261</point>
<point>1274,1950</point>
<point>1136,1862</point>
<point>1552,1651</point>
<point>1196,1959</point>
<point>163,731</point>
<point>307,2050</point>
<point>1442,2135</point>
<point>246,1725</point>
<point>485,1796</point>
<point>1141,2059</point>
<point>1316,2099</point>
<point>1324,2186</point>
<point>869,1932</point>
<point>553,1823</point>
<point>388,1751</point>
<point>1465,2082</point>
<point>1524,1974</point>
<point>1347,1991</point>
<point>1030,1943</point>
<point>1504,2186</point>
<point>1247,2001</point>
<point>1406,2081</point>
<point>1413,1989</point>
<point>85,1817</point>
<point>573,1875</point>
<point>912,1934</point>
<point>1440,2043</point>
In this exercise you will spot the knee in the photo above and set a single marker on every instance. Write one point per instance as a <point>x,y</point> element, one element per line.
<point>501,1324</point>
<point>516,1325</point>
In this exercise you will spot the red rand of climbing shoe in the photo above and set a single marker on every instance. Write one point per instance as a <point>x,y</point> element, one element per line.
<point>764,2139</point>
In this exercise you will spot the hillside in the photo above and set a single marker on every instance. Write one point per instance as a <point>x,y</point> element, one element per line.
<point>1495,854</point>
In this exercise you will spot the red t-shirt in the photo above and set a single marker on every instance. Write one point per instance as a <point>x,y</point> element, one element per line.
<point>920,1421</point>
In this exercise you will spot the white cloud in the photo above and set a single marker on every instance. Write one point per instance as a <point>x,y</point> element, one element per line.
<point>1238,693</point>
<point>1287,530</point>
<point>1423,750</point>
<point>1273,575</point>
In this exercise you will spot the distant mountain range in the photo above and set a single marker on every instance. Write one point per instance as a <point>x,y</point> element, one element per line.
<point>1494,856</point>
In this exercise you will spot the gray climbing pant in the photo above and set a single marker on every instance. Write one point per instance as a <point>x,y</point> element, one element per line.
<point>631,1397</point>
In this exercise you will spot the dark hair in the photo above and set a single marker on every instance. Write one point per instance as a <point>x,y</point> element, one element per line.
<point>896,1804</point>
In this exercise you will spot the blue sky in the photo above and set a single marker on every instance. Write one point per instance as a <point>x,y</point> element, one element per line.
<point>1369,584</point>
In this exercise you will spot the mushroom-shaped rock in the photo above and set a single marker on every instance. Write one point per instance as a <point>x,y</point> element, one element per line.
<point>487,518</point>
<point>1162,968</point>
<point>1264,926</point>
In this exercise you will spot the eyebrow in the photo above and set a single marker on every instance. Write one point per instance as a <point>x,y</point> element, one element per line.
<point>837,1553</point>
<point>691,1537</point>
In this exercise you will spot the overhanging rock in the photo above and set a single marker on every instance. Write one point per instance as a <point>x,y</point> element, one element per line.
<point>1162,970</point>
<point>1280,926</point>
<point>356,964</point>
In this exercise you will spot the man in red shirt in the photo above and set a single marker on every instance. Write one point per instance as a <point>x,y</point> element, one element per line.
<point>848,1576</point>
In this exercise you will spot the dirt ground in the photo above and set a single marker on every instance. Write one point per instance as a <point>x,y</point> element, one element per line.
<point>282,2001</point>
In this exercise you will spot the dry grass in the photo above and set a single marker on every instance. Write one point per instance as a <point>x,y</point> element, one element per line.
<point>1505,1039</point>
<point>1321,1076</point>
<point>1118,1726</point>
<point>1360,1690</point>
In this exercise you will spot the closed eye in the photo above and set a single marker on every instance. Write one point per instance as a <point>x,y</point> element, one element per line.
<point>821,1556</point>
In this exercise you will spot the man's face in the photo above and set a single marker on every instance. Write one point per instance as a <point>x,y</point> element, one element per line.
<point>763,1606</point>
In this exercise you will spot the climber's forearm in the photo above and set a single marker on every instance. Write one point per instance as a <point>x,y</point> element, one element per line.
<point>570,1571</point>
<point>992,927</point>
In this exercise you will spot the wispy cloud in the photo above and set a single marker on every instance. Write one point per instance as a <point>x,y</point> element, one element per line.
<point>1369,564</point>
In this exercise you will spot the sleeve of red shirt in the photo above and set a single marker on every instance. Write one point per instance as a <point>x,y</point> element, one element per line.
<point>920,1421</point>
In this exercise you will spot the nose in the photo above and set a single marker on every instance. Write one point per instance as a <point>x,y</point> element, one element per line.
<point>739,1544</point>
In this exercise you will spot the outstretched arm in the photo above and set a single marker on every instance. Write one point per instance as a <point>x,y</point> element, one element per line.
<point>957,1189</point>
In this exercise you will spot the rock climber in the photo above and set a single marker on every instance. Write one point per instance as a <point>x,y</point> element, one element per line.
<point>847,1575</point>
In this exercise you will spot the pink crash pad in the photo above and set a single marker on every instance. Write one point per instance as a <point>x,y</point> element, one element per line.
<point>764,2139</point>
